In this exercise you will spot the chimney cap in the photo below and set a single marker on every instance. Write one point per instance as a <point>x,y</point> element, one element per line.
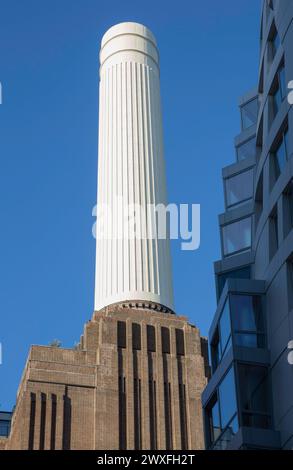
<point>128,27</point>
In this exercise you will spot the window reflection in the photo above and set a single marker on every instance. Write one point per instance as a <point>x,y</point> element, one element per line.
<point>246,150</point>
<point>243,314</point>
<point>254,396</point>
<point>237,236</point>
<point>248,322</point>
<point>222,341</point>
<point>239,188</point>
<point>247,313</point>
<point>222,413</point>
<point>278,93</point>
<point>228,404</point>
<point>215,421</point>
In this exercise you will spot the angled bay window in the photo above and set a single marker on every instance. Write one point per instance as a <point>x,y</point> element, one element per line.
<point>236,236</point>
<point>246,150</point>
<point>221,413</point>
<point>239,188</point>
<point>241,273</point>
<point>249,112</point>
<point>241,323</point>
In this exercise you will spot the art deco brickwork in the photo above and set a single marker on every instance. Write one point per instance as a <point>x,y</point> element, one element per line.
<point>134,383</point>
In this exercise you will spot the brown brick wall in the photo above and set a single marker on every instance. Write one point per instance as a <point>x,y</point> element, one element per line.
<point>70,398</point>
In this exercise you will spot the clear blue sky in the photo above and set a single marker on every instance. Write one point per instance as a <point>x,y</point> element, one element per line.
<point>48,149</point>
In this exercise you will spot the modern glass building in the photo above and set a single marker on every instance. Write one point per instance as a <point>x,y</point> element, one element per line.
<point>248,403</point>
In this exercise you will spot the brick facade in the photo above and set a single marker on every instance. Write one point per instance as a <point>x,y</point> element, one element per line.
<point>134,382</point>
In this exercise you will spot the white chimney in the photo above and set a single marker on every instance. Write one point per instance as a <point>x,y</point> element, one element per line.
<point>131,170</point>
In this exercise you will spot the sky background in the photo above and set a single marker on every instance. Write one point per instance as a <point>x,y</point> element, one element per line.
<point>48,150</point>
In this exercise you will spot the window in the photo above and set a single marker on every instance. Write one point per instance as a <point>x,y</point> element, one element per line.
<point>121,334</point>
<point>151,338</point>
<point>4,428</point>
<point>236,236</point>
<point>247,319</point>
<point>259,199</point>
<point>180,348</point>
<point>278,93</point>
<point>274,42</point>
<point>136,336</point>
<point>249,112</point>
<point>5,422</point>
<point>246,150</point>
<point>280,155</point>
<point>165,336</point>
<point>242,273</point>
<point>239,188</point>
<point>215,424</point>
<point>222,413</point>
<point>222,339</point>
<point>227,396</point>
<point>273,233</point>
<point>282,82</point>
<point>225,330</point>
<point>276,101</point>
<point>254,396</point>
<point>288,208</point>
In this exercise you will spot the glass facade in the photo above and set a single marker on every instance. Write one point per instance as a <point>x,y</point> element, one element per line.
<point>239,188</point>
<point>222,413</point>
<point>261,264</point>
<point>227,410</point>
<point>236,236</point>
<point>246,150</point>
<point>249,112</point>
